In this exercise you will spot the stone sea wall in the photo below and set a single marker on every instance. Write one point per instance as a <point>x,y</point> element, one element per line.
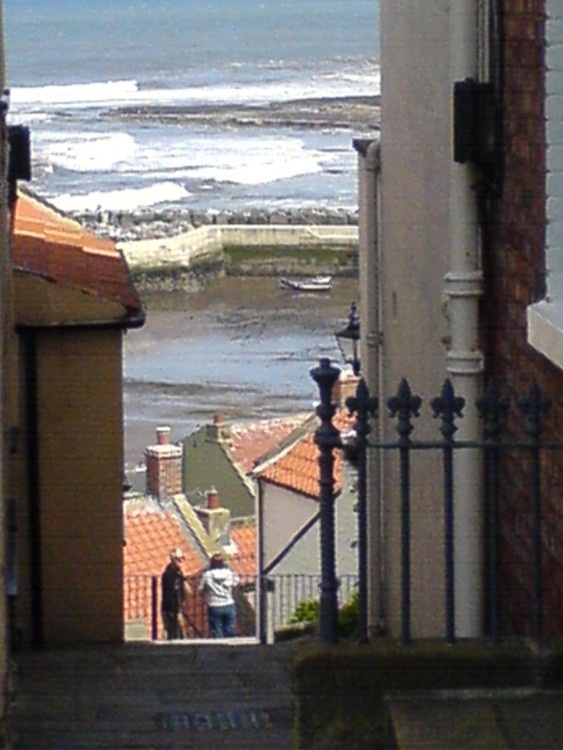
<point>155,224</point>
<point>182,250</point>
<point>187,260</point>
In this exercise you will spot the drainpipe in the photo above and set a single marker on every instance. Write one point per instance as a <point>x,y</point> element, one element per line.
<point>262,609</point>
<point>463,287</point>
<point>369,168</point>
<point>34,497</point>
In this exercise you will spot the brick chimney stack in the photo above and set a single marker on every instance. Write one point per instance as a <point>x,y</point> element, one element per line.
<point>219,431</point>
<point>215,519</point>
<point>164,466</point>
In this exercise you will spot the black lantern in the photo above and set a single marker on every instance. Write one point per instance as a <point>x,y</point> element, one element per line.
<point>348,339</point>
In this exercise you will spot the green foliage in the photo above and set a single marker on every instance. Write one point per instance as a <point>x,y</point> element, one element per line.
<point>348,615</point>
<point>306,611</point>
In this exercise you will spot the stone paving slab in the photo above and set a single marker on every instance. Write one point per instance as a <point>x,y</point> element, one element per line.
<point>518,719</point>
<point>146,697</point>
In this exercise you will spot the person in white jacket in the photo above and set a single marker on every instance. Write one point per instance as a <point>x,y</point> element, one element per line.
<point>217,584</point>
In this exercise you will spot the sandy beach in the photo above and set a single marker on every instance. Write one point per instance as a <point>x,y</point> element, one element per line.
<point>242,347</point>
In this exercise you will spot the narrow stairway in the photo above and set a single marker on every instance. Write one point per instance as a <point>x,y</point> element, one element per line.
<point>147,697</point>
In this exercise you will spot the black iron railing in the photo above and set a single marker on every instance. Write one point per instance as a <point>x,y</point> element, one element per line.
<point>501,449</point>
<point>142,616</point>
<point>289,597</point>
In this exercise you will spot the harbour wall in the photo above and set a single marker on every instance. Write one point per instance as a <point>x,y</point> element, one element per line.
<point>187,260</point>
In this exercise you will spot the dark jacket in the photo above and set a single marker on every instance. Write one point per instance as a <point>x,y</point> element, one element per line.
<point>172,589</point>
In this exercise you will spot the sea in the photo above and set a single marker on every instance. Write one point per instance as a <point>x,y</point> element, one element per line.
<point>73,65</point>
<point>240,347</point>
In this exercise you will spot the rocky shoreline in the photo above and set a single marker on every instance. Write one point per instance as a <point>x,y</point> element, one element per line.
<point>360,114</point>
<point>148,224</point>
<point>349,113</point>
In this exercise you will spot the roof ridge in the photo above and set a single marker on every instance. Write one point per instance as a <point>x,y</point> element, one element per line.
<point>285,445</point>
<point>194,524</point>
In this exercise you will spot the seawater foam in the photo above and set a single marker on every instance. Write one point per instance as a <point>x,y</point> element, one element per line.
<point>240,158</point>
<point>86,151</point>
<point>122,200</point>
<point>241,92</point>
<point>76,94</point>
<point>255,161</point>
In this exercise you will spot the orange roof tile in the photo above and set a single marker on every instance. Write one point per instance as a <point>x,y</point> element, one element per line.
<point>250,440</point>
<point>48,244</point>
<point>151,531</point>
<point>243,562</point>
<point>298,468</point>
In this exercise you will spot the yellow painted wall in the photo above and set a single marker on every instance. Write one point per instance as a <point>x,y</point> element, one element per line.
<point>19,479</point>
<point>80,426</point>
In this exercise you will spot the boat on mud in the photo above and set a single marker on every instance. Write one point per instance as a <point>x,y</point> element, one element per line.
<point>314,284</point>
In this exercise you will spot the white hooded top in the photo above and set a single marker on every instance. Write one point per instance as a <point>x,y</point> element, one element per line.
<point>217,586</point>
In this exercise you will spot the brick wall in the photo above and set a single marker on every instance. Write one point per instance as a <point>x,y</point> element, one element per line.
<point>514,267</point>
<point>164,467</point>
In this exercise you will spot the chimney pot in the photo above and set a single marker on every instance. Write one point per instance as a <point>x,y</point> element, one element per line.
<point>163,435</point>
<point>212,499</point>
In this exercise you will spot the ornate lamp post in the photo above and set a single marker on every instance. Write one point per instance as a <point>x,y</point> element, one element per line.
<point>327,438</point>
<point>348,339</point>
<point>364,406</point>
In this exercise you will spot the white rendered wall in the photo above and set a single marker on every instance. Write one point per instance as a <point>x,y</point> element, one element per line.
<point>545,319</point>
<point>416,154</point>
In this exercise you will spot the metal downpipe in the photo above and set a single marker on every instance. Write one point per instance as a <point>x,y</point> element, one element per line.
<point>463,287</point>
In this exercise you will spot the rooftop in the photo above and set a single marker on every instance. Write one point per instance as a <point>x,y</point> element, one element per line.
<point>297,469</point>
<point>50,245</point>
<point>251,440</point>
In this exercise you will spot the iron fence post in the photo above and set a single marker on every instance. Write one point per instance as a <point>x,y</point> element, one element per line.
<point>448,406</point>
<point>404,405</point>
<point>327,438</point>
<point>364,406</point>
<point>491,406</point>
<point>154,608</point>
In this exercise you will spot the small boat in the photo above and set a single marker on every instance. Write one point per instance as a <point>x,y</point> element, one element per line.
<point>315,284</point>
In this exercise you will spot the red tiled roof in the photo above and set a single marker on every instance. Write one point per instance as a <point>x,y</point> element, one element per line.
<point>151,531</point>
<point>298,468</point>
<point>243,562</point>
<point>48,244</point>
<point>251,440</point>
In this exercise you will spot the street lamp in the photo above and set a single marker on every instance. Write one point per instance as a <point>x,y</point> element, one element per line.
<point>327,438</point>
<point>348,339</point>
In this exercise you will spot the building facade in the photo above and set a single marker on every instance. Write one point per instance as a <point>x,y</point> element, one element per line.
<point>73,300</point>
<point>461,278</point>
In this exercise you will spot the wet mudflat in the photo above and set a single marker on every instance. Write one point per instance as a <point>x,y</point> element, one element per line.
<point>240,347</point>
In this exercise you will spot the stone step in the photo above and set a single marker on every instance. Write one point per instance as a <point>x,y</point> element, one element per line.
<point>151,699</point>
<point>518,719</point>
<point>430,724</point>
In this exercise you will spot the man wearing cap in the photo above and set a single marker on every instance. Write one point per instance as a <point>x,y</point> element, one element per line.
<point>217,585</point>
<point>174,590</point>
